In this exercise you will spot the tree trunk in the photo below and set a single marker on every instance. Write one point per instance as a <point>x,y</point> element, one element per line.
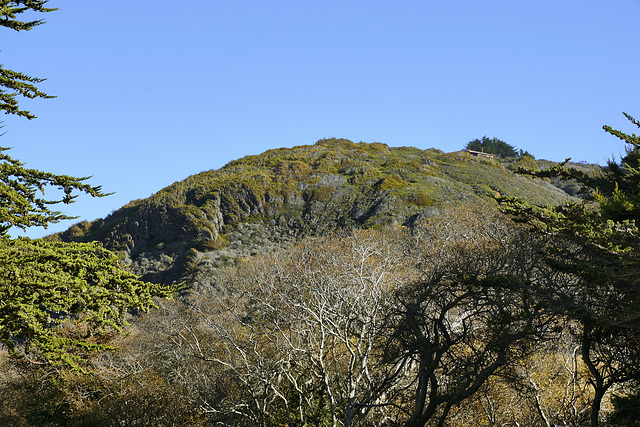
<point>595,405</point>
<point>598,380</point>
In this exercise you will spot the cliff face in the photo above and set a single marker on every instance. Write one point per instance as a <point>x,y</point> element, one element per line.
<point>259,203</point>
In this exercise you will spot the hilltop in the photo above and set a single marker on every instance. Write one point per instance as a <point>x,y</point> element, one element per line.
<point>263,202</point>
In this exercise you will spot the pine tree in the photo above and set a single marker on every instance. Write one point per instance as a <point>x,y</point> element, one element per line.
<point>58,301</point>
<point>13,83</point>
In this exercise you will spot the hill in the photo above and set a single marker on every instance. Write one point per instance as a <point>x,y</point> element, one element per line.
<point>262,202</point>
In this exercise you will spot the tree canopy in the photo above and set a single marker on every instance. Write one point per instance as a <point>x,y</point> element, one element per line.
<point>22,190</point>
<point>14,83</point>
<point>598,243</point>
<point>57,300</point>
<point>496,146</point>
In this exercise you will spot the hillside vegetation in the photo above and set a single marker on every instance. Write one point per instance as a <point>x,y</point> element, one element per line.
<point>359,284</point>
<point>262,202</point>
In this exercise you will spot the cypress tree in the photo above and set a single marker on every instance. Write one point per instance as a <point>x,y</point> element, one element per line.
<point>597,241</point>
<point>58,301</point>
<point>13,83</point>
<point>493,146</point>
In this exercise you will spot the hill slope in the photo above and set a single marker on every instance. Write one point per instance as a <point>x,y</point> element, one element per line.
<point>258,203</point>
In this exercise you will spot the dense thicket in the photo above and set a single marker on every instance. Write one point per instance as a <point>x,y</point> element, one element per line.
<point>368,327</point>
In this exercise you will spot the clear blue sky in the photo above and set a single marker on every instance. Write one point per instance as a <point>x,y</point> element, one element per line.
<point>150,92</point>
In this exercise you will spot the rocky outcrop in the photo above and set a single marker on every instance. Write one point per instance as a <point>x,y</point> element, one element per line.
<point>261,203</point>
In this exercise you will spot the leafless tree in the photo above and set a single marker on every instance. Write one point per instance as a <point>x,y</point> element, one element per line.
<point>302,330</point>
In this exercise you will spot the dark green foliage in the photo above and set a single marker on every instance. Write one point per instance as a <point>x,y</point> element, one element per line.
<point>599,244</point>
<point>569,185</point>
<point>11,9</point>
<point>13,83</point>
<point>616,190</point>
<point>22,203</point>
<point>495,146</point>
<point>525,154</point>
<point>58,300</point>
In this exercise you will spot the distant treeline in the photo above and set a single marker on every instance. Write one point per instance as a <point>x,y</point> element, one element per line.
<point>496,146</point>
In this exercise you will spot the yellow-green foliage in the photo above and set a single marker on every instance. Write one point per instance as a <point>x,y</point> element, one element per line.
<point>313,188</point>
<point>525,162</point>
<point>62,299</point>
<point>391,182</point>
